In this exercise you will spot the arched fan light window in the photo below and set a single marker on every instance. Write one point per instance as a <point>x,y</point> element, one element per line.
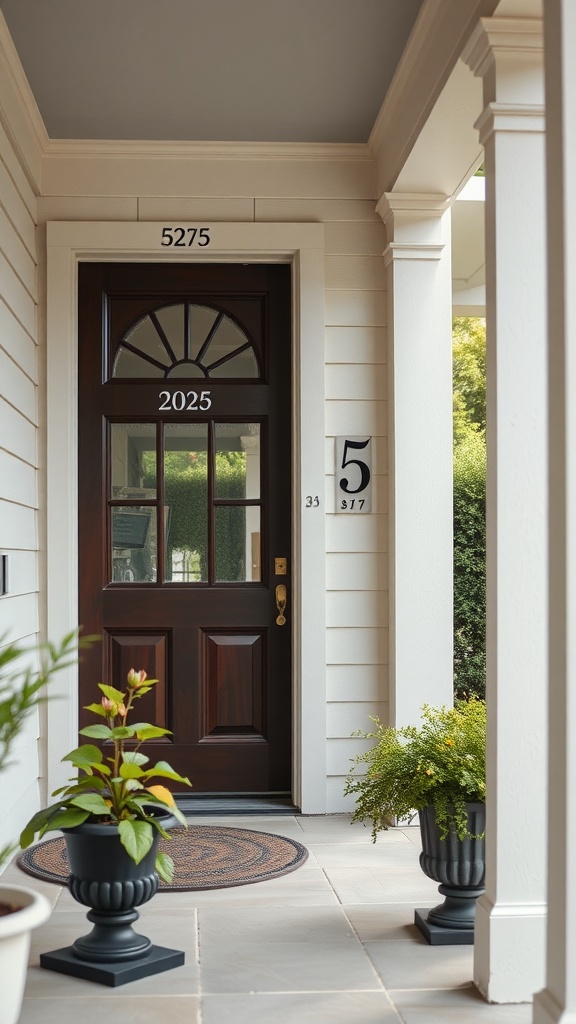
<point>186,340</point>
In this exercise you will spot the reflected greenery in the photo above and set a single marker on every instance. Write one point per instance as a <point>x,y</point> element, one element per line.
<point>186,495</point>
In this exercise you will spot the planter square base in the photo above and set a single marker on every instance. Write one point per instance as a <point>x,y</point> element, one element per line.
<point>435,935</point>
<point>113,974</point>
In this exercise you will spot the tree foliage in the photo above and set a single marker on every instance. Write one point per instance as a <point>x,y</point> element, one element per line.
<point>468,376</point>
<point>469,368</point>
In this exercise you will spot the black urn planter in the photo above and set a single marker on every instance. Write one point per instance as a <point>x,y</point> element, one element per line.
<point>104,878</point>
<point>460,867</point>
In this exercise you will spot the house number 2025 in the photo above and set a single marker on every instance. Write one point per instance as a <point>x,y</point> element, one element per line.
<point>184,401</point>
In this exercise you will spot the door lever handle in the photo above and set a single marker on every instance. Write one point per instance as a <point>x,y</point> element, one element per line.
<point>281,604</point>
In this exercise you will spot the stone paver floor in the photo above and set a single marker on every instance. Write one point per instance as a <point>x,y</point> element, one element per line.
<point>331,943</point>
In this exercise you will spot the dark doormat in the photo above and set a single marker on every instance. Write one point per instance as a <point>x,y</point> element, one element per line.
<point>205,857</point>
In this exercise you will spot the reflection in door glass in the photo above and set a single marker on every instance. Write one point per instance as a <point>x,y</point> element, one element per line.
<point>133,531</point>
<point>237,543</point>
<point>186,502</point>
<point>237,447</point>
<point>133,460</point>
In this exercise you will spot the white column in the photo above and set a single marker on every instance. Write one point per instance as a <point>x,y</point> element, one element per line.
<point>557,1002</point>
<point>420,445</point>
<point>510,918</point>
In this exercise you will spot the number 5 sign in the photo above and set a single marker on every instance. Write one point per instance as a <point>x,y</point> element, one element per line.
<point>353,474</point>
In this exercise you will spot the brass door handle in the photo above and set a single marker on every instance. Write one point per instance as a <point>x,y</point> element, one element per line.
<point>281,604</point>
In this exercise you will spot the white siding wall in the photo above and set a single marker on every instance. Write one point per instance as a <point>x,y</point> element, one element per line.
<point>340,194</point>
<point>19,608</point>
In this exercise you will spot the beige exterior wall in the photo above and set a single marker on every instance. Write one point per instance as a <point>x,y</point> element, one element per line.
<point>338,194</point>
<point>20,608</point>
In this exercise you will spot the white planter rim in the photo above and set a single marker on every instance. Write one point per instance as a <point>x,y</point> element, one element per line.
<point>34,910</point>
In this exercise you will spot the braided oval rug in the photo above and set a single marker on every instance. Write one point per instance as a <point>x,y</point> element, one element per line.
<point>205,857</point>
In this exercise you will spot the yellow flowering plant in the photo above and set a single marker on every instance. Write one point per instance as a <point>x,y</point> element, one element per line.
<point>441,763</point>
<point>116,789</point>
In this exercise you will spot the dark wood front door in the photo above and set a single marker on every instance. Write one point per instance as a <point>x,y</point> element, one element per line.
<point>185,508</point>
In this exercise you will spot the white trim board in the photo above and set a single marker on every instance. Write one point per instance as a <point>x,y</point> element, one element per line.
<point>69,243</point>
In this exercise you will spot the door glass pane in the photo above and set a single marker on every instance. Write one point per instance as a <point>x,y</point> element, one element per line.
<point>133,531</point>
<point>133,460</point>
<point>243,364</point>
<point>171,327</point>
<point>187,369</point>
<point>237,458</point>
<point>186,502</point>
<point>237,529</point>
<point>202,320</point>
<point>230,353</point>
<point>130,364</point>
<point>149,346</point>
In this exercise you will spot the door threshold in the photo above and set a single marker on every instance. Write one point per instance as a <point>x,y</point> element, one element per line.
<point>235,803</point>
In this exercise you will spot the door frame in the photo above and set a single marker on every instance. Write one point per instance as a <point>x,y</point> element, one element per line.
<point>301,245</point>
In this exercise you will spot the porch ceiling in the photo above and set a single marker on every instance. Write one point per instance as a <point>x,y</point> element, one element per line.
<point>209,70</point>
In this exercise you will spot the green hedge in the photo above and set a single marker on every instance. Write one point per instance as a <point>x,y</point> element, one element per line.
<point>470,565</point>
<point>186,494</point>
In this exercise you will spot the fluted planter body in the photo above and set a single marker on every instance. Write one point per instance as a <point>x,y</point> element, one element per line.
<point>459,865</point>
<point>453,861</point>
<point>102,875</point>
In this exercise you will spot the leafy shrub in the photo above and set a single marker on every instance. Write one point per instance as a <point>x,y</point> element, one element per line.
<point>470,566</point>
<point>440,763</point>
<point>186,495</point>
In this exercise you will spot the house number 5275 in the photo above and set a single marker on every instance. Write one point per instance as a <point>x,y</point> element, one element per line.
<point>182,238</point>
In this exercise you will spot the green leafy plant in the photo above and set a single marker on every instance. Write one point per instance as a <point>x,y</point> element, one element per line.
<point>470,566</point>
<point>22,688</point>
<point>116,789</point>
<point>469,420</point>
<point>441,763</point>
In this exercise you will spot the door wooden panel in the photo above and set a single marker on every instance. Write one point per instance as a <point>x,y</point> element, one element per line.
<point>232,686</point>
<point>184,505</point>
<point>147,651</point>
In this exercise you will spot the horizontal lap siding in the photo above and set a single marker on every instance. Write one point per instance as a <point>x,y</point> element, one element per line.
<point>19,608</point>
<point>339,195</point>
<point>357,567</point>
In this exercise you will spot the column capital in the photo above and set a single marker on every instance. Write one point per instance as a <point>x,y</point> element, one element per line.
<point>508,55</point>
<point>494,37</point>
<point>432,203</point>
<point>250,442</point>
<point>417,224</point>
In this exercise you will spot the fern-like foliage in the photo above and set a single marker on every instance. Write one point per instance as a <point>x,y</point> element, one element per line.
<point>440,763</point>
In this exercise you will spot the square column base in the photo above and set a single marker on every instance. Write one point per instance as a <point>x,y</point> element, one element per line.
<point>158,959</point>
<point>436,935</point>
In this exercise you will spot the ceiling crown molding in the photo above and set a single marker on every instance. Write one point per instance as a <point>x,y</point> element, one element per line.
<point>22,121</point>
<point>159,150</point>
<point>19,112</point>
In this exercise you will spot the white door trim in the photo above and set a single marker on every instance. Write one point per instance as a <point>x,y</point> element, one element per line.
<point>302,245</point>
